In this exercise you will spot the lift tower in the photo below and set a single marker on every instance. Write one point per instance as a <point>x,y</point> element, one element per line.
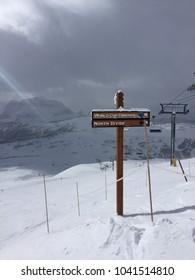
<point>173,109</point>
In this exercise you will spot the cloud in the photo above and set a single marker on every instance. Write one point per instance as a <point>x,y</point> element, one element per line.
<point>81,7</point>
<point>29,19</point>
<point>89,83</point>
<point>83,51</point>
<point>21,17</point>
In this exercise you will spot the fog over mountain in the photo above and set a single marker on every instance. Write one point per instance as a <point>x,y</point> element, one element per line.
<point>47,136</point>
<point>36,109</point>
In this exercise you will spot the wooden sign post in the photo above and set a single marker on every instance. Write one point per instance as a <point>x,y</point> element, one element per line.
<point>119,158</point>
<point>120,118</point>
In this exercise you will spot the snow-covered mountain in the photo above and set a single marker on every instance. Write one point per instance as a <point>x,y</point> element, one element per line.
<point>62,139</point>
<point>35,109</point>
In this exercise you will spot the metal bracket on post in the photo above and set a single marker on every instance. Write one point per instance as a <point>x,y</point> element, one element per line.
<point>173,129</point>
<point>173,109</point>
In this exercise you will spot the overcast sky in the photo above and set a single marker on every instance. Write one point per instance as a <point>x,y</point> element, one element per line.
<point>83,51</point>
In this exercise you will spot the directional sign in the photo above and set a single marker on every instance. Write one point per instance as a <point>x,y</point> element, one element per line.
<point>117,118</point>
<point>125,114</point>
<point>115,123</point>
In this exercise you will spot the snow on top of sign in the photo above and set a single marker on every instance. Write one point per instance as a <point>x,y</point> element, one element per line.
<point>115,96</point>
<point>140,109</point>
<point>122,109</point>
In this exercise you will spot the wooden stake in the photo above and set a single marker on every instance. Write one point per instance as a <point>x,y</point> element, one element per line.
<point>189,168</point>
<point>183,171</point>
<point>78,203</point>
<point>148,168</point>
<point>146,178</point>
<point>105,187</point>
<point>46,208</point>
<point>119,158</point>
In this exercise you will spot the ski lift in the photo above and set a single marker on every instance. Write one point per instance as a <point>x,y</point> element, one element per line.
<point>155,128</point>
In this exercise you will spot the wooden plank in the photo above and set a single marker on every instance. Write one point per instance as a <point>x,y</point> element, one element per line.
<point>112,115</point>
<point>119,123</point>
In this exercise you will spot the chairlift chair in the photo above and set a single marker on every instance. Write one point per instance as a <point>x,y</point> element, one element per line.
<point>155,128</point>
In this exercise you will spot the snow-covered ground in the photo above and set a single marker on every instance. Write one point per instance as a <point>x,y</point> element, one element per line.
<point>98,233</point>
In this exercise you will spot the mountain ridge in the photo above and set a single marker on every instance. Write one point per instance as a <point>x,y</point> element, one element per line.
<point>52,146</point>
<point>36,109</point>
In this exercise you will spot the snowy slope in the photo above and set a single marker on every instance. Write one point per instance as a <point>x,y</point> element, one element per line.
<point>98,233</point>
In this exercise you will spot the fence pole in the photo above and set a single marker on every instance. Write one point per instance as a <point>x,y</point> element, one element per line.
<point>46,208</point>
<point>148,168</point>
<point>183,171</point>
<point>189,168</point>
<point>78,203</point>
<point>105,187</point>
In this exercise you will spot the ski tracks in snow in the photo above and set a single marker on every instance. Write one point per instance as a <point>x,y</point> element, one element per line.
<point>160,240</point>
<point>122,239</point>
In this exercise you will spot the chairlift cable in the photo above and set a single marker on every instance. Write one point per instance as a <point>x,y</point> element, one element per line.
<point>174,99</point>
<point>191,107</point>
<point>185,99</point>
<point>178,95</point>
